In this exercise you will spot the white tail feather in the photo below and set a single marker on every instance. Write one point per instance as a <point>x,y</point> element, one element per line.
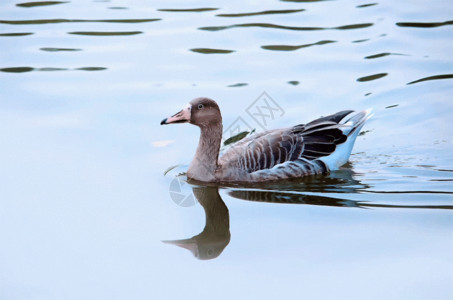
<point>352,124</point>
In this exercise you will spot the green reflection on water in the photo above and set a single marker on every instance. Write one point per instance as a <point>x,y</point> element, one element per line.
<point>435,77</point>
<point>424,24</point>
<point>265,12</point>
<point>296,28</point>
<point>105,33</point>
<point>17,69</point>
<point>238,84</point>
<point>292,48</point>
<point>57,21</point>
<point>366,5</point>
<point>48,69</point>
<point>40,3</point>
<point>211,51</point>
<point>51,49</point>
<point>16,34</point>
<point>371,77</point>
<point>188,9</point>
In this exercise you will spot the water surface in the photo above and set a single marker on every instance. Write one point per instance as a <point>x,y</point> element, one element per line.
<point>87,211</point>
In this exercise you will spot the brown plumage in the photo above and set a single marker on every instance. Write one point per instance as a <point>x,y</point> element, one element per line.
<point>314,148</point>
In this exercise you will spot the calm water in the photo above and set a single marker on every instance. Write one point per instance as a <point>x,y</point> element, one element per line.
<point>87,212</point>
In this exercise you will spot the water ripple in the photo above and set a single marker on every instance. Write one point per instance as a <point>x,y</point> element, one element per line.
<point>40,3</point>
<point>202,9</point>
<point>91,69</point>
<point>276,26</point>
<point>360,41</point>
<point>410,192</point>
<point>48,69</point>
<point>211,51</point>
<point>105,33</point>
<point>51,49</point>
<point>17,69</point>
<point>16,34</point>
<point>383,55</point>
<point>57,21</point>
<point>435,77</point>
<point>238,84</point>
<point>302,1</point>
<point>366,5</point>
<point>372,77</point>
<point>291,197</point>
<point>424,24</point>
<point>265,12</point>
<point>292,48</point>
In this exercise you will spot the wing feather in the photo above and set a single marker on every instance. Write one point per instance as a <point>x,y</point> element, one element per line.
<point>289,152</point>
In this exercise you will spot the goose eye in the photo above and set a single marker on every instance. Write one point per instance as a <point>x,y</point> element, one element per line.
<point>200,106</point>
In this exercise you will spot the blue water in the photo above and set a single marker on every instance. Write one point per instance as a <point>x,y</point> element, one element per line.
<point>85,202</point>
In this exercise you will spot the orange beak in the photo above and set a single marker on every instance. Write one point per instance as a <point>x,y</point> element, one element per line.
<point>182,116</point>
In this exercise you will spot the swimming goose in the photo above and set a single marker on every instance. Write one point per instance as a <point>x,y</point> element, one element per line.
<point>317,147</point>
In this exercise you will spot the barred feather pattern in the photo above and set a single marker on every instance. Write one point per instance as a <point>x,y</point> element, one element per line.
<point>291,152</point>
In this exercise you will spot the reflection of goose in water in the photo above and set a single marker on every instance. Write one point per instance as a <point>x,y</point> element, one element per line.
<point>216,233</point>
<point>340,181</point>
<point>300,192</point>
<point>215,236</point>
<point>295,192</point>
<point>290,197</point>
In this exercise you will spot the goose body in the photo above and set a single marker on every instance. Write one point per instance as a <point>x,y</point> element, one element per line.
<point>317,147</point>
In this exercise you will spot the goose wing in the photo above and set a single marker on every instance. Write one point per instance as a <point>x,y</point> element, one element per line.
<point>289,152</point>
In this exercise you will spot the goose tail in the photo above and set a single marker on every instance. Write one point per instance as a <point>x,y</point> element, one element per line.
<point>351,125</point>
<point>354,121</point>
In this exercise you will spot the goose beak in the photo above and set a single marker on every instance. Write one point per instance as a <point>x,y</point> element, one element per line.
<point>188,244</point>
<point>182,116</point>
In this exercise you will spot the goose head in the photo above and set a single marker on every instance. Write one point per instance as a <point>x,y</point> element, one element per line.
<point>202,112</point>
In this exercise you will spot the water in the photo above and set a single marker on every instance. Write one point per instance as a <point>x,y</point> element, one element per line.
<point>85,203</point>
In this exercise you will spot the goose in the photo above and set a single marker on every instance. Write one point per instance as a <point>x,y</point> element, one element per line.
<point>318,147</point>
